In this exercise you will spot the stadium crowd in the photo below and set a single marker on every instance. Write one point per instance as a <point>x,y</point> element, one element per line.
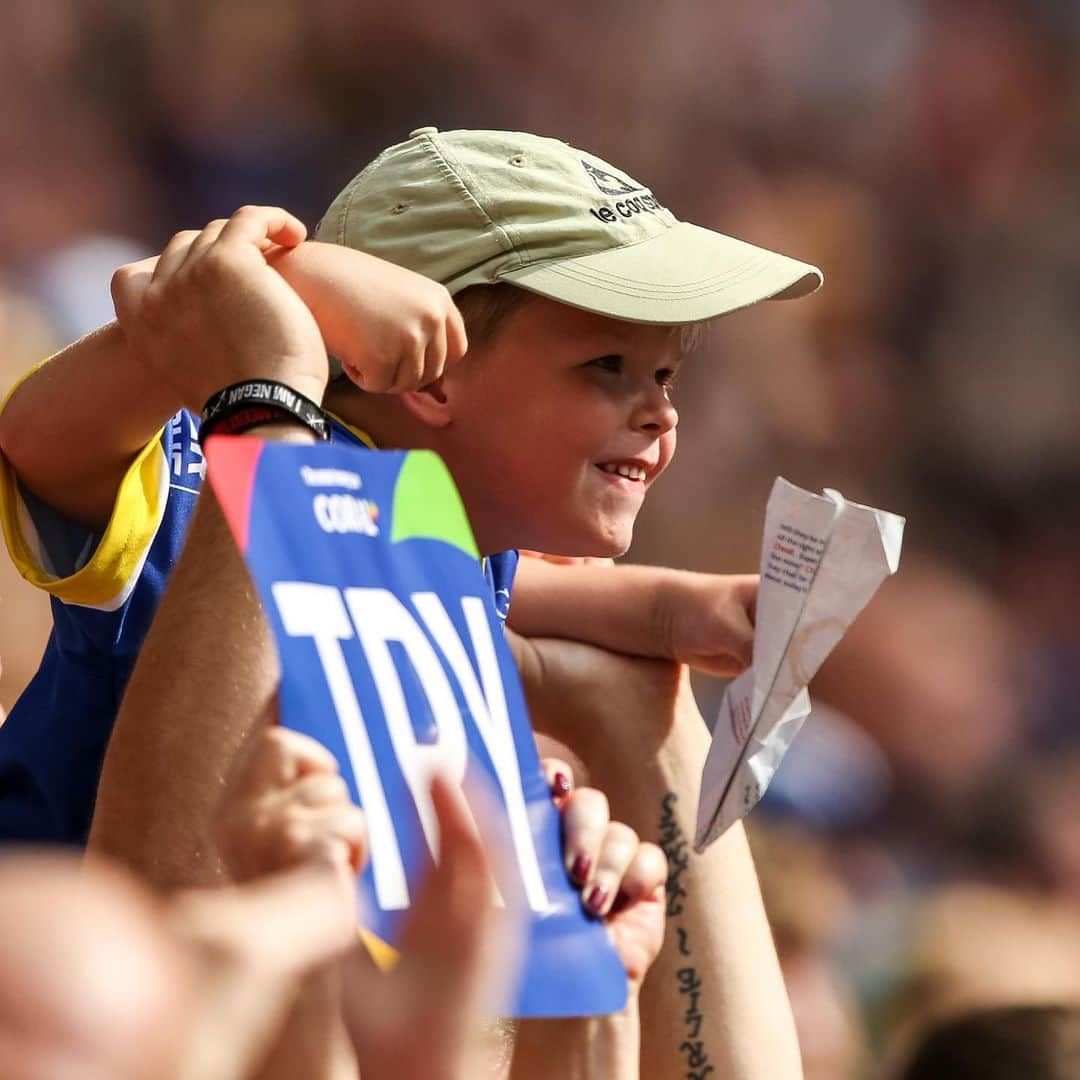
<point>919,853</point>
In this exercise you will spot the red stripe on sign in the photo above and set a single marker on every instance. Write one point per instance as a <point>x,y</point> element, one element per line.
<point>231,464</point>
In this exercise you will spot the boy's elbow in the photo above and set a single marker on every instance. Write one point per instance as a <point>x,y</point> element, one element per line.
<point>24,448</point>
<point>12,435</point>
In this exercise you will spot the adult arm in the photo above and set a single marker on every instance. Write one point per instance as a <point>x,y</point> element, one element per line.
<point>621,880</point>
<point>205,680</point>
<point>204,685</point>
<point>260,954</point>
<point>714,1002</point>
<point>207,671</point>
<point>579,1049</point>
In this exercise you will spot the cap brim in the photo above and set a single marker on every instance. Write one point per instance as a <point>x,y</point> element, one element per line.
<point>685,274</point>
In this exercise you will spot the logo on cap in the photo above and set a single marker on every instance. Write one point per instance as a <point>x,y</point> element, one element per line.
<point>608,183</point>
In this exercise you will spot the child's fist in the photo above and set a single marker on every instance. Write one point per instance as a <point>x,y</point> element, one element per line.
<point>707,620</point>
<point>287,805</point>
<point>392,330</point>
<point>209,311</point>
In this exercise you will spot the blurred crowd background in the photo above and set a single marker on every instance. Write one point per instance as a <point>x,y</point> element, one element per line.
<point>921,849</point>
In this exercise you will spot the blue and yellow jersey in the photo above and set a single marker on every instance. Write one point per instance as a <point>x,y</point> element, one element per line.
<point>105,588</point>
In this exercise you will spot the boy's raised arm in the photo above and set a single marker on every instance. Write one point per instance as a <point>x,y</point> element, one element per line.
<point>713,1003</point>
<point>73,428</point>
<point>76,424</point>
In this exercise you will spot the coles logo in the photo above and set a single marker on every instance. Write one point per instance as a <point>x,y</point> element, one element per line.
<point>340,513</point>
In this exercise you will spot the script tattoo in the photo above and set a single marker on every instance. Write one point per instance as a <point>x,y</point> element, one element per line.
<point>677,849</point>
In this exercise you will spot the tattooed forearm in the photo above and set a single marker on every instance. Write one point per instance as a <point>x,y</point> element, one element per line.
<point>677,849</point>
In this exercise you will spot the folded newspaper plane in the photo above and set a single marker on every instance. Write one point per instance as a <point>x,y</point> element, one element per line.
<point>822,558</point>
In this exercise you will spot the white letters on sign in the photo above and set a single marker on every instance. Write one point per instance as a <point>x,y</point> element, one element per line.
<point>318,612</point>
<point>379,617</point>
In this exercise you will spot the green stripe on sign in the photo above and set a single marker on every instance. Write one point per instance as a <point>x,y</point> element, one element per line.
<point>427,505</point>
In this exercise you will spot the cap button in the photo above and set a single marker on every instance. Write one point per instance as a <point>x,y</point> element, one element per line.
<point>423,131</point>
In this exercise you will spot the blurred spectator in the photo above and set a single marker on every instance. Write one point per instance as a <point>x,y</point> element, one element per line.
<point>808,904</point>
<point>977,947</point>
<point>931,671</point>
<point>25,620</point>
<point>1035,1042</point>
<point>1027,825</point>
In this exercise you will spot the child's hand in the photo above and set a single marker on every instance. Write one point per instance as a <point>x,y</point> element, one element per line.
<point>707,620</point>
<point>209,311</point>
<point>393,330</point>
<point>286,806</point>
<point>620,877</point>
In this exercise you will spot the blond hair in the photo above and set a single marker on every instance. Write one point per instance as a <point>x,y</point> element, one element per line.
<point>485,308</point>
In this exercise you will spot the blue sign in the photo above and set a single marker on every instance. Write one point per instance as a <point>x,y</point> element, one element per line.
<point>393,657</point>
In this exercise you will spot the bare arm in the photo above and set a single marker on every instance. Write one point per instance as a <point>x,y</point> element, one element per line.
<point>75,425</point>
<point>607,1046</point>
<point>73,428</point>
<point>714,1002</point>
<point>700,619</point>
<point>207,672</point>
<point>253,950</point>
<point>581,1049</point>
<point>204,685</point>
<point>205,681</point>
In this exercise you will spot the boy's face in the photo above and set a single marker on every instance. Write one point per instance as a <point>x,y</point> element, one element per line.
<point>560,425</point>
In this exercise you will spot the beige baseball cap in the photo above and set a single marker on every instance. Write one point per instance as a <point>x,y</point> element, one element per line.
<point>481,207</point>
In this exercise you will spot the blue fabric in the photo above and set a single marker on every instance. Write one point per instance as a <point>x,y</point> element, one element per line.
<point>68,545</point>
<point>53,742</point>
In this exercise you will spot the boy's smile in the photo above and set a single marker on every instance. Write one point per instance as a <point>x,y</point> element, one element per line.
<point>559,426</point>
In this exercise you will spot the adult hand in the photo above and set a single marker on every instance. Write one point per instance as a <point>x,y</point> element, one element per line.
<point>621,878</point>
<point>210,310</point>
<point>598,703</point>
<point>422,1018</point>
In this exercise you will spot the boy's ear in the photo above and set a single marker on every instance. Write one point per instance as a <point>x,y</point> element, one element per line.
<point>429,404</point>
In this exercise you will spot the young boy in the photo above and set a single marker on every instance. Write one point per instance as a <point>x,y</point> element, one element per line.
<point>554,427</point>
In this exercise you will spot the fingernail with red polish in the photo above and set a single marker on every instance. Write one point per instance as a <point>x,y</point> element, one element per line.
<point>596,899</point>
<point>579,872</point>
<point>560,785</point>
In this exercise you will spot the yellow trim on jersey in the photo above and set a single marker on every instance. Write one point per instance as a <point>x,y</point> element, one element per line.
<point>106,579</point>
<point>362,435</point>
<point>382,952</point>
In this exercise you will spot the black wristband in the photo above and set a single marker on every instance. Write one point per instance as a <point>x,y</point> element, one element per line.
<point>249,404</point>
